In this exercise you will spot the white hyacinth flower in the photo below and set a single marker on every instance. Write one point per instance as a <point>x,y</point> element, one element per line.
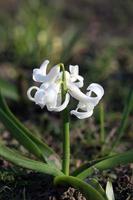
<point>86,101</point>
<point>49,92</point>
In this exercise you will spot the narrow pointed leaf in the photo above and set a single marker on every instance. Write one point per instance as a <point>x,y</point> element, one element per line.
<point>19,135</point>
<point>45,150</point>
<point>87,190</point>
<point>94,183</point>
<point>87,165</point>
<point>113,161</point>
<point>121,129</point>
<point>22,161</point>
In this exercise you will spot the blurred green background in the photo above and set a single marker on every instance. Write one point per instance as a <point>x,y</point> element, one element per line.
<point>95,34</point>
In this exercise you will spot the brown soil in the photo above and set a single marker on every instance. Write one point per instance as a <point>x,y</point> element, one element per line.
<point>16,184</point>
<point>33,186</point>
<point>122,180</point>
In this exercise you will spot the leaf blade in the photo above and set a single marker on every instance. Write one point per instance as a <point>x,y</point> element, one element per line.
<point>87,165</point>
<point>127,109</point>
<point>25,162</point>
<point>19,135</point>
<point>46,151</point>
<point>93,182</point>
<point>110,162</point>
<point>88,191</point>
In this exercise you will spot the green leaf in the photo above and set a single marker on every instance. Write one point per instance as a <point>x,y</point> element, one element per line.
<point>9,90</point>
<point>20,160</point>
<point>20,135</point>
<point>87,165</point>
<point>94,183</point>
<point>108,163</point>
<point>127,109</point>
<point>87,190</point>
<point>46,152</point>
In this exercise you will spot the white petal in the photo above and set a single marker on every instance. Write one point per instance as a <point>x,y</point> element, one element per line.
<point>85,107</point>
<point>77,94</point>
<point>80,82</point>
<point>74,76</point>
<point>74,69</point>
<point>29,92</point>
<point>64,105</point>
<point>40,98</point>
<point>53,74</point>
<point>59,100</point>
<point>97,89</point>
<point>109,191</point>
<point>49,78</point>
<point>39,74</point>
<point>44,66</point>
<point>67,77</point>
<point>51,97</point>
<point>48,85</point>
<point>82,115</point>
<point>45,85</point>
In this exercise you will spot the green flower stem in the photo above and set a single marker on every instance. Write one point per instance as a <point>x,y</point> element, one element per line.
<point>66,143</point>
<point>66,134</point>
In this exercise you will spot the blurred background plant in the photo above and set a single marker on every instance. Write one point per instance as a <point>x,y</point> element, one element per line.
<point>95,34</point>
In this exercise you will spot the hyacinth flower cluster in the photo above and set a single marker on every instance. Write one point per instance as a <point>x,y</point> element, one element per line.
<point>49,93</point>
<point>54,92</point>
